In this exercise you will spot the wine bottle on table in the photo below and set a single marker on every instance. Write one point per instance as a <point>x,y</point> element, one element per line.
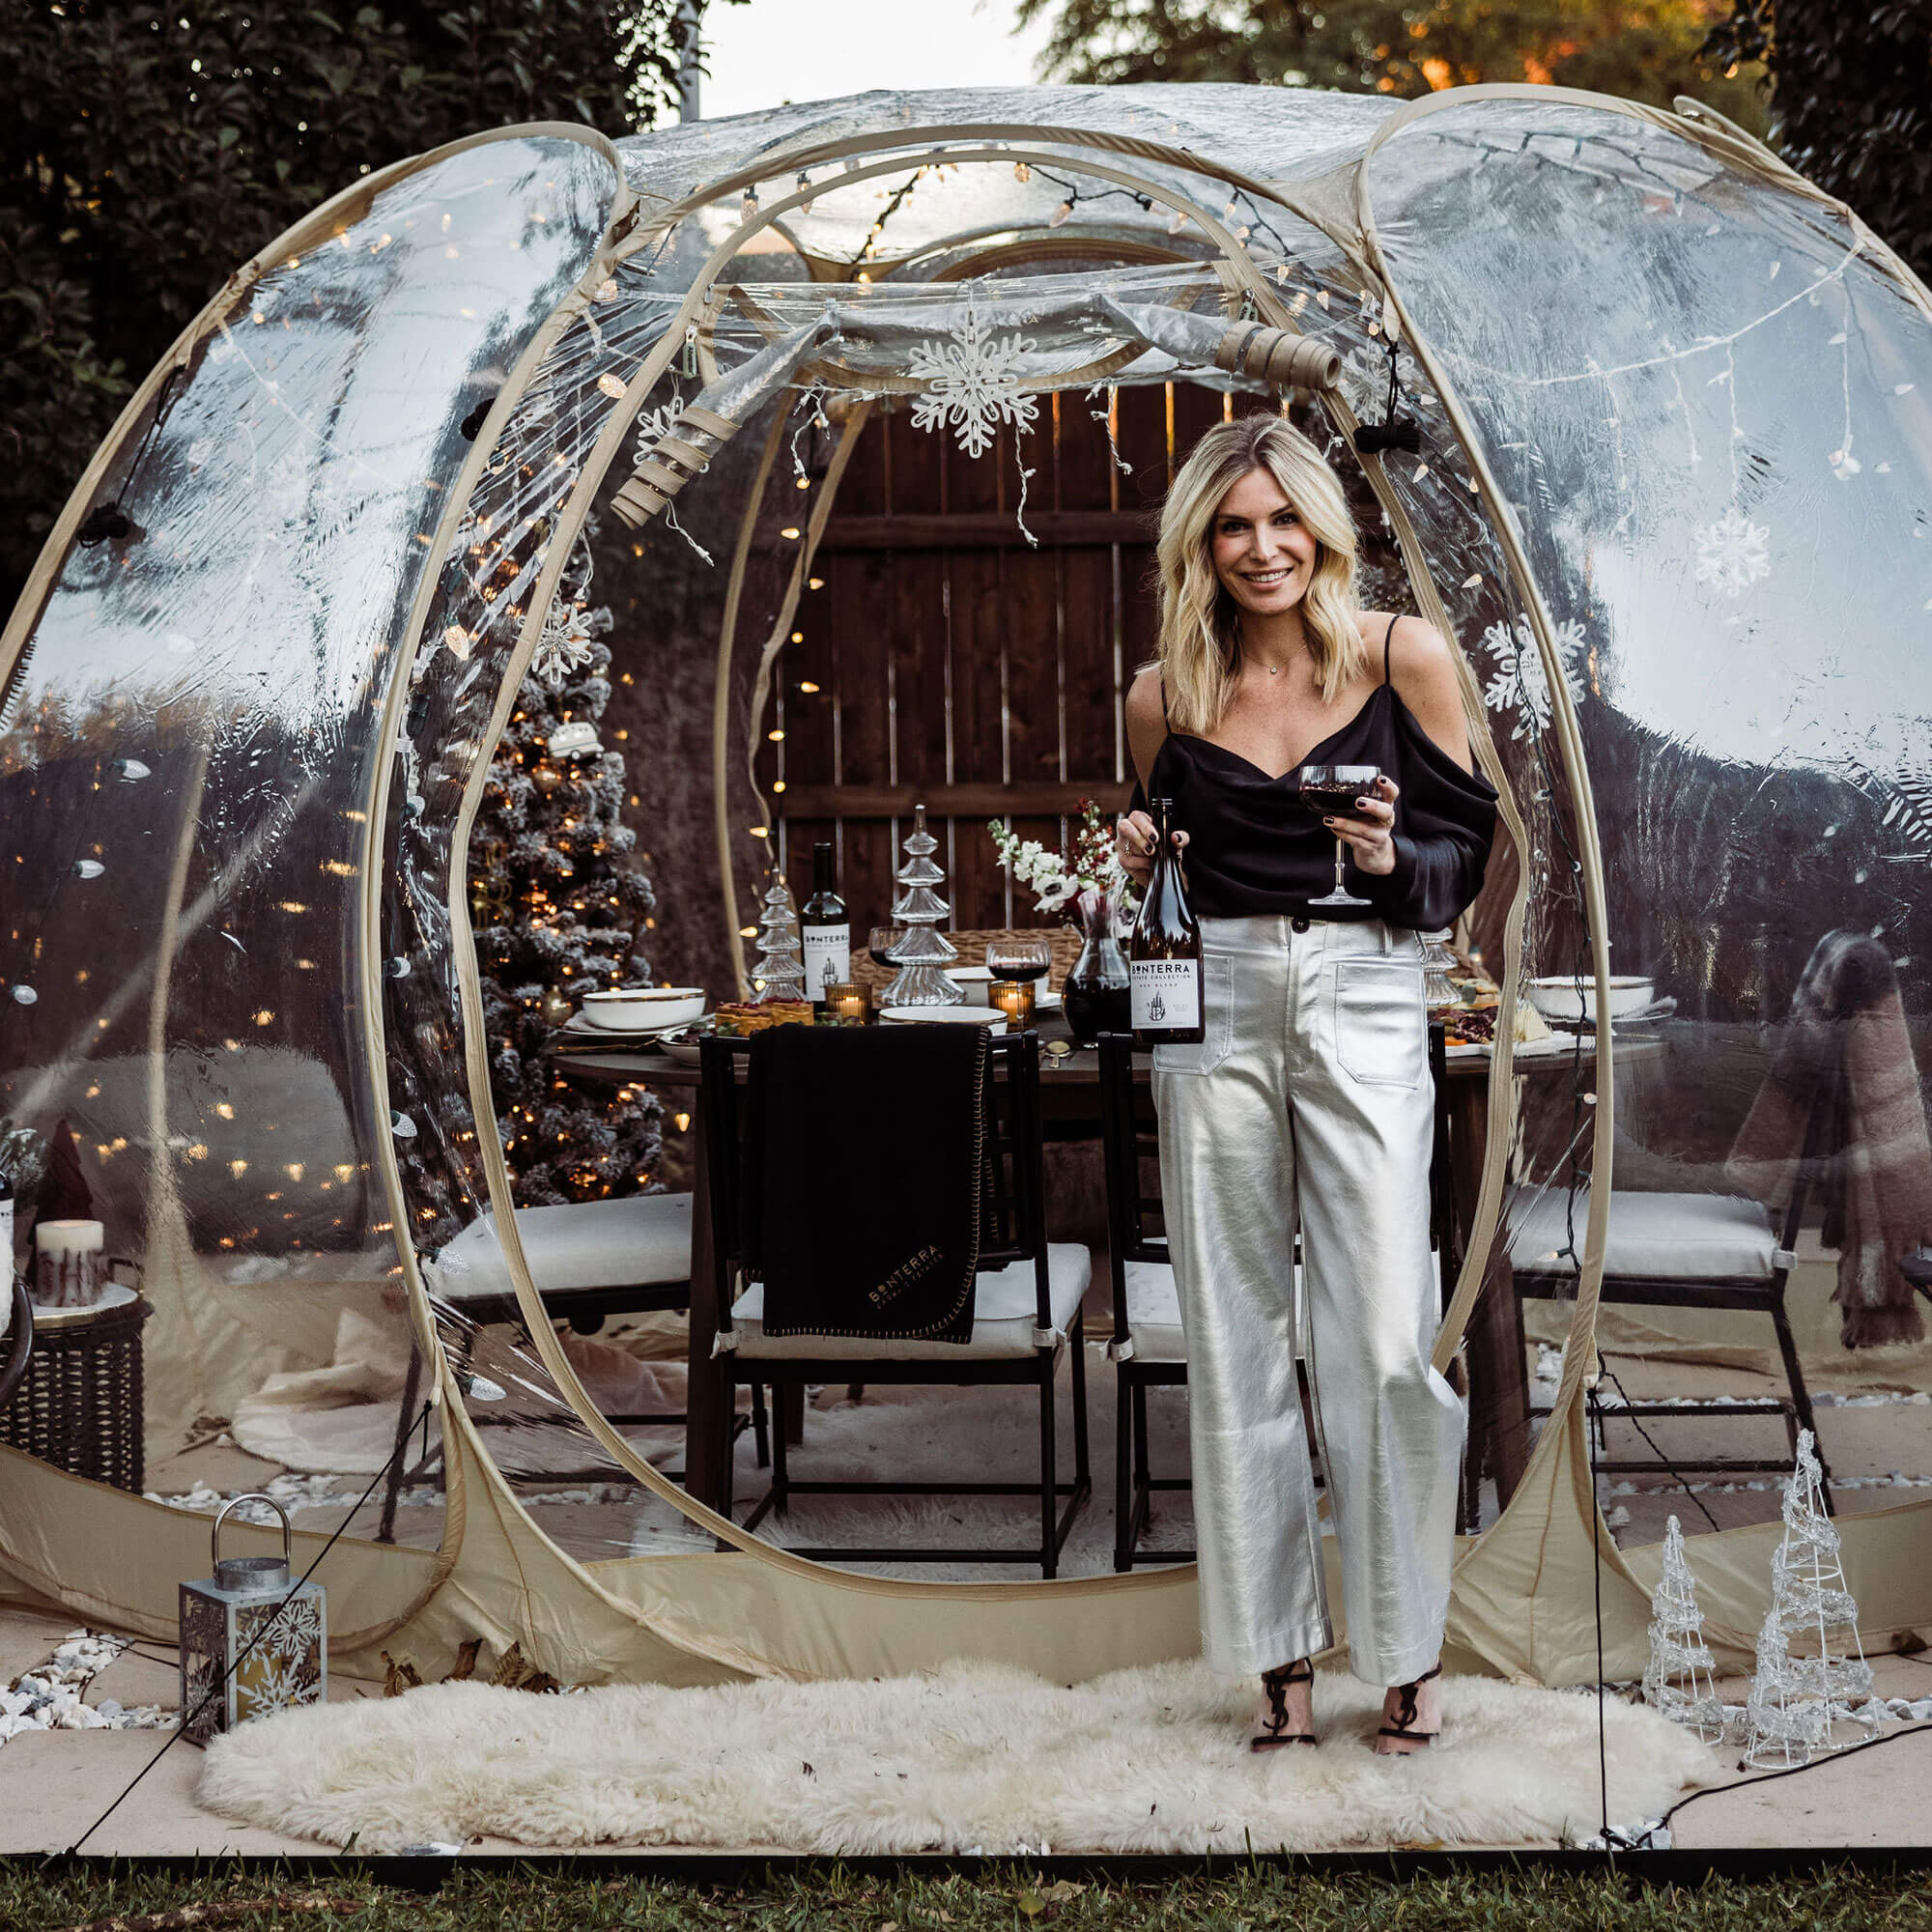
<point>825,930</point>
<point>1164,957</point>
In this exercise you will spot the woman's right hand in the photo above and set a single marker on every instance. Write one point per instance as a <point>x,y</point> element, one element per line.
<point>1134,838</point>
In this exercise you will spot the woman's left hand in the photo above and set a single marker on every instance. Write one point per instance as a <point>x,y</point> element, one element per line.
<point>1370,833</point>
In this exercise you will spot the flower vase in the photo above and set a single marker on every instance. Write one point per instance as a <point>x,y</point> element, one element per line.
<point>1095,997</point>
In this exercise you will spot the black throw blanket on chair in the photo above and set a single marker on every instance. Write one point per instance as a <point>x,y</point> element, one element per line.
<point>862,1160</point>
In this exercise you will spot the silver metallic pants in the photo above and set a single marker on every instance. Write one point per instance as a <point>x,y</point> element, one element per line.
<point>1310,1101</point>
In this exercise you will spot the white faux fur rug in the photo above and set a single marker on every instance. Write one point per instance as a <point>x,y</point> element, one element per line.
<point>974,1758</point>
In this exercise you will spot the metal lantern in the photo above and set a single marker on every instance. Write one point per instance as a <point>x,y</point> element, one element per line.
<point>249,1644</point>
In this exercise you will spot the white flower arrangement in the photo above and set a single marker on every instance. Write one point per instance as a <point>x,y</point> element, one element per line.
<point>1057,879</point>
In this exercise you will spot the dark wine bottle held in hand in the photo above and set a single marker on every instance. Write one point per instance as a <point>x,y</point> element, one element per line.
<point>1164,957</point>
<point>824,928</point>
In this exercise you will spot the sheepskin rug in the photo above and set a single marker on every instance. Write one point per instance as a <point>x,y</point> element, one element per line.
<point>972,1758</point>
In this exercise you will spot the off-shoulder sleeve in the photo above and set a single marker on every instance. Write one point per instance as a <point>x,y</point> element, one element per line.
<point>1444,826</point>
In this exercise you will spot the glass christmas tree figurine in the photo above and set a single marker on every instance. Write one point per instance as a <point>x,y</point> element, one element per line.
<point>778,973</point>
<point>1794,1699</point>
<point>922,955</point>
<point>1679,1679</point>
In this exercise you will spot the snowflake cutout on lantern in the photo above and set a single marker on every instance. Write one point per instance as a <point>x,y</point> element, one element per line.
<point>296,1630</point>
<point>565,645</point>
<point>972,382</point>
<point>1733,552</point>
<point>276,1684</point>
<point>1519,684</point>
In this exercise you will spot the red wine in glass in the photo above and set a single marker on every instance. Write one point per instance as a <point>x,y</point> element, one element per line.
<point>1331,792</point>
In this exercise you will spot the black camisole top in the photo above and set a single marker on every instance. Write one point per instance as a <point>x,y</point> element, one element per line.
<point>1252,848</point>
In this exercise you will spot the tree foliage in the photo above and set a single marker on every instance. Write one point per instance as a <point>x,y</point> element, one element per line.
<point>1851,104</point>
<point>149,149</point>
<point>1644,49</point>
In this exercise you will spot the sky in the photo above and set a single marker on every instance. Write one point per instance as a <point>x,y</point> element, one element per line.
<point>768,51</point>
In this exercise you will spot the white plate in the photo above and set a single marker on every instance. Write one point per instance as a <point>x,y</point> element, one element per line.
<point>579,1028</point>
<point>113,1294</point>
<point>1525,1049</point>
<point>984,1016</point>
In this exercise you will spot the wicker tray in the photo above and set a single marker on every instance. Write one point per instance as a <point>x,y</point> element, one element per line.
<point>81,1406</point>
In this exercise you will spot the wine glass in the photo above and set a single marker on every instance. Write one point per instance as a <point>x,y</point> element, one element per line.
<point>880,941</point>
<point>1017,957</point>
<point>1325,790</point>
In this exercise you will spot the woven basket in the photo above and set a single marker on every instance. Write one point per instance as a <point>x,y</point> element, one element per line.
<point>80,1405</point>
<point>972,946</point>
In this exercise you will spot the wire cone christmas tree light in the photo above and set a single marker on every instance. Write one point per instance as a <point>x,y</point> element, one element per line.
<point>778,973</point>
<point>1678,1681</point>
<point>922,953</point>
<point>1794,1701</point>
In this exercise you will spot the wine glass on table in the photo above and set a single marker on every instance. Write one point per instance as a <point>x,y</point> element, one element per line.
<point>1017,957</point>
<point>879,944</point>
<point>1332,790</point>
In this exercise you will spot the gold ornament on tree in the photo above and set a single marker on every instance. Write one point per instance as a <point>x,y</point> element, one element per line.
<point>555,1007</point>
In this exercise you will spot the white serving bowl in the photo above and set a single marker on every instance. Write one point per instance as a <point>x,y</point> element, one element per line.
<point>627,1008</point>
<point>1556,998</point>
<point>975,982</point>
<point>985,1016</point>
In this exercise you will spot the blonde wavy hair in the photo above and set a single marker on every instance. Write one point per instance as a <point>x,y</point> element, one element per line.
<point>1200,623</point>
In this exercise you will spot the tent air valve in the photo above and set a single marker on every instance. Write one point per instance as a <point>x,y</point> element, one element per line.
<point>1278,357</point>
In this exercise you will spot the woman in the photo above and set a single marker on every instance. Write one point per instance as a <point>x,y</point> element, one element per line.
<point>1309,1100</point>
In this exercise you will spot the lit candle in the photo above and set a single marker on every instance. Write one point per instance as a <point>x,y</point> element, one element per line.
<point>1015,999</point>
<point>66,1263</point>
<point>850,1001</point>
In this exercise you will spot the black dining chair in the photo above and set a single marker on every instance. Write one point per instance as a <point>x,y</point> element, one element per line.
<point>1026,1314</point>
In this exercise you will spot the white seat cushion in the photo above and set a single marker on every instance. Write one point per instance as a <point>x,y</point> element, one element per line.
<point>1005,1313</point>
<point>1153,1312</point>
<point>1660,1236</point>
<point>638,1241</point>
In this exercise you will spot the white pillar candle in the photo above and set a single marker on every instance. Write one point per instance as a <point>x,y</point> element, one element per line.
<point>66,1263</point>
<point>68,1238</point>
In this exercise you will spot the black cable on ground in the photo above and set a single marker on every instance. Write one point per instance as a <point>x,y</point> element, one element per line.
<point>1792,1771</point>
<point>268,1624</point>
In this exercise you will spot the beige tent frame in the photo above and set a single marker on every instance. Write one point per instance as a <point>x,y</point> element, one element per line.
<point>1521,1588</point>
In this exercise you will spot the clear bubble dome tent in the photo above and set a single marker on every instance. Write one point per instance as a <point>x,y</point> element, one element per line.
<point>1672,498</point>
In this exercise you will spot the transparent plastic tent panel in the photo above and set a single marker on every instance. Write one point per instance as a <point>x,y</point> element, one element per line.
<point>191,745</point>
<point>1264,134</point>
<point>1710,410</point>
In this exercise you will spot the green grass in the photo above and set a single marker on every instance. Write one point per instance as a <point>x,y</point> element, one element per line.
<point>829,1898</point>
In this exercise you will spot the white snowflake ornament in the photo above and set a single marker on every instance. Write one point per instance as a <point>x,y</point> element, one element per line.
<point>972,382</point>
<point>564,647</point>
<point>1519,684</point>
<point>1733,552</point>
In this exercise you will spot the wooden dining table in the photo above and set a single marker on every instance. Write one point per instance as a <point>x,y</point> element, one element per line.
<point>1500,1413</point>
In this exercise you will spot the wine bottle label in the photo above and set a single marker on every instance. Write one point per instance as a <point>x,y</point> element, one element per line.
<point>828,957</point>
<point>1166,993</point>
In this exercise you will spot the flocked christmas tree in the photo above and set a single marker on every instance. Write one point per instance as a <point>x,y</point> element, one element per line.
<point>1795,1700</point>
<point>557,907</point>
<point>1679,1680</point>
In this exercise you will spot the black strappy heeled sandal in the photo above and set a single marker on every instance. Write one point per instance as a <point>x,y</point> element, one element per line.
<point>1406,1715</point>
<point>1275,1683</point>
